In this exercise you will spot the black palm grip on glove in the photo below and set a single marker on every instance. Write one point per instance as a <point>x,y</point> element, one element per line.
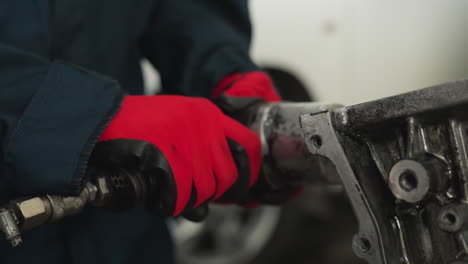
<point>125,161</point>
<point>137,157</point>
<point>139,175</point>
<point>239,192</point>
<point>242,109</point>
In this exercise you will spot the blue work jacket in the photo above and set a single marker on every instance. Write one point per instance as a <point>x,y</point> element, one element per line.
<point>64,65</point>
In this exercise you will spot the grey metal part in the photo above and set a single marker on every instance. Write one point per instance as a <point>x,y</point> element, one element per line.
<point>68,205</point>
<point>284,149</point>
<point>28,213</point>
<point>403,162</point>
<point>367,244</point>
<point>445,96</point>
<point>459,130</point>
<point>9,227</point>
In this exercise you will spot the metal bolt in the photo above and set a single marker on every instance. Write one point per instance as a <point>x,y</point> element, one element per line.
<point>33,212</point>
<point>410,181</point>
<point>9,227</point>
<point>92,191</point>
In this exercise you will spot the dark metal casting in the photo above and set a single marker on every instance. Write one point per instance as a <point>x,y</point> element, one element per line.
<point>403,163</point>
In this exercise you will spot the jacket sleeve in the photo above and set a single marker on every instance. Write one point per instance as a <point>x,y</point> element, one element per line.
<point>195,44</point>
<point>51,115</point>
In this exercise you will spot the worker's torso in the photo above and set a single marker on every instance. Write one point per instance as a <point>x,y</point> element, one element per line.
<point>102,36</point>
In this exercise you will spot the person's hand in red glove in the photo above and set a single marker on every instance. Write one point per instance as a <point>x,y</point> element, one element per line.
<point>239,96</point>
<point>197,153</point>
<point>248,85</point>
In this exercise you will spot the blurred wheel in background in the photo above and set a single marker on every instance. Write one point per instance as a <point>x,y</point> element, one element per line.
<point>317,227</point>
<point>230,235</point>
<point>289,86</point>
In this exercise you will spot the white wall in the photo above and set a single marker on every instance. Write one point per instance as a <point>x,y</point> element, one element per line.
<point>357,50</point>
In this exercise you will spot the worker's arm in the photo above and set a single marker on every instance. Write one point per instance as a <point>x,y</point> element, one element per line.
<point>196,44</point>
<point>51,114</point>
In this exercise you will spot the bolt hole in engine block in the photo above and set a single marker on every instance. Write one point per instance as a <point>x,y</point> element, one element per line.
<point>365,245</point>
<point>450,219</point>
<point>316,141</point>
<point>408,181</point>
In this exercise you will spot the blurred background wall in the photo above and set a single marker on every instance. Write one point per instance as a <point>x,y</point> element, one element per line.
<point>351,51</point>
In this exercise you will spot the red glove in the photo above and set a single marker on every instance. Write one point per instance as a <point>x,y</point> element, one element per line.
<point>251,85</point>
<point>198,152</point>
